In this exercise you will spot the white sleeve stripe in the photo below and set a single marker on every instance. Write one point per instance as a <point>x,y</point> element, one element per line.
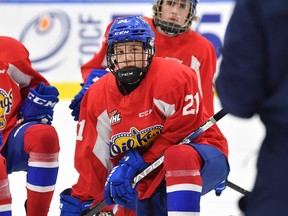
<point>4,188</point>
<point>102,146</point>
<point>183,213</point>
<point>40,188</point>
<point>44,164</point>
<point>165,108</point>
<point>184,187</point>
<point>4,208</point>
<point>18,76</point>
<point>195,65</point>
<point>180,173</point>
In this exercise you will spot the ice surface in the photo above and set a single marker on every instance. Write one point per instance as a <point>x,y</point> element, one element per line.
<point>244,137</point>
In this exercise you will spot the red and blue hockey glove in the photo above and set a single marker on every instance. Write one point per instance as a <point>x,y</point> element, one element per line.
<point>118,187</point>
<point>220,188</point>
<point>76,102</point>
<point>71,206</point>
<point>39,104</point>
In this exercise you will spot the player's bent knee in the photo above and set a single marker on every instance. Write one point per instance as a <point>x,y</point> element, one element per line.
<point>41,138</point>
<point>181,156</point>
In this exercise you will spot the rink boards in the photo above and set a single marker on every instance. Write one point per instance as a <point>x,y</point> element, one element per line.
<point>62,35</point>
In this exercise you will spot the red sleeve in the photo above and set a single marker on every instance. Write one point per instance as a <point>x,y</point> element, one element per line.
<point>207,72</point>
<point>20,68</point>
<point>189,113</point>
<point>91,160</point>
<point>25,67</point>
<point>99,58</point>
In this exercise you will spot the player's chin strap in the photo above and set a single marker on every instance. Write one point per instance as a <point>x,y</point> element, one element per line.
<point>210,122</point>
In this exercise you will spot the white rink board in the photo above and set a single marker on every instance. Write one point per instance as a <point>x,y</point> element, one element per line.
<point>62,36</point>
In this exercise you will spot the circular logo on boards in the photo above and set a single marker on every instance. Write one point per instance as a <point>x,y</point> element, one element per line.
<point>44,36</point>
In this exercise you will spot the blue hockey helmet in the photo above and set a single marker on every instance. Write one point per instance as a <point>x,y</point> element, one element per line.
<point>124,30</point>
<point>169,27</point>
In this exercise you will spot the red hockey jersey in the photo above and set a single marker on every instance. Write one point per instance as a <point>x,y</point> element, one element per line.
<point>16,78</point>
<point>159,113</point>
<point>189,48</point>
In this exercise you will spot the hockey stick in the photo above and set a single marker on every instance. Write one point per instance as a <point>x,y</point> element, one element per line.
<point>210,122</point>
<point>236,187</point>
<point>102,204</point>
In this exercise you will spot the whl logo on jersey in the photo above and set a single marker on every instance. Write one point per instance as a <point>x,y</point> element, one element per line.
<point>6,102</point>
<point>135,138</point>
<point>115,117</point>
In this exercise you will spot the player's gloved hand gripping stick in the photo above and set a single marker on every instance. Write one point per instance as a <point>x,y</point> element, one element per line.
<point>210,122</point>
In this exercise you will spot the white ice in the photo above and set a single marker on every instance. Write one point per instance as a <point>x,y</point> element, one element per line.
<point>244,137</point>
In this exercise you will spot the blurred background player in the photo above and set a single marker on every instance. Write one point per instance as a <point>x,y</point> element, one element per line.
<point>174,39</point>
<point>29,142</point>
<point>253,79</point>
<point>135,120</point>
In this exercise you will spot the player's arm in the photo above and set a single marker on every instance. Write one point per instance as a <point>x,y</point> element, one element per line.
<point>240,84</point>
<point>22,72</point>
<point>188,115</point>
<point>75,104</point>
<point>39,97</point>
<point>208,62</point>
<point>182,109</point>
<point>91,158</point>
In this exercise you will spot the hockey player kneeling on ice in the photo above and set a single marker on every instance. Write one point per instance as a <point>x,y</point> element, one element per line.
<point>146,107</point>
<point>30,142</point>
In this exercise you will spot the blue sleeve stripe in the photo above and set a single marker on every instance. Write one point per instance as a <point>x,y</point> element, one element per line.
<point>42,177</point>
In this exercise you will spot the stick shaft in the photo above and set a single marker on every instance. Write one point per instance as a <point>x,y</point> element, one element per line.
<point>96,209</point>
<point>236,188</point>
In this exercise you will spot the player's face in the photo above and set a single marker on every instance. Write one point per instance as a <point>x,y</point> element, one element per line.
<point>130,54</point>
<point>175,11</point>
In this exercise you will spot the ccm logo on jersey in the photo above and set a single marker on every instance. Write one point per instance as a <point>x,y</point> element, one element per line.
<point>41,101</point>
<point>145,113</point>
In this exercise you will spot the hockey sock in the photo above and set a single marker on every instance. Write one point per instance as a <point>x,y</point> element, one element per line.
<point>184,184</point>
<point>41,180</point>
<point>5,198</point>
<point>5,195</point>
<point>42,145</point>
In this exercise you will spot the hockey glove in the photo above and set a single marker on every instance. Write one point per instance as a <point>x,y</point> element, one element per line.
<point>221,187</point>
<point>71,206</point>
<point>76,102</point>
<point>39,104</point>
<point>118,187</point>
